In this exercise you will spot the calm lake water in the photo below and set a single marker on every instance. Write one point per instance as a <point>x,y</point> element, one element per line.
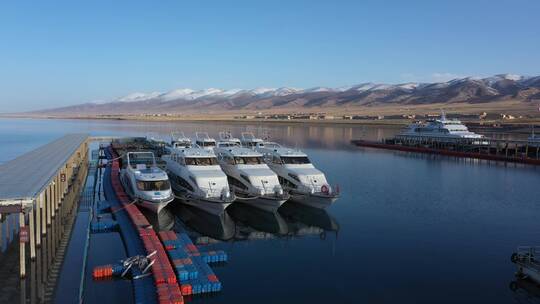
<point>408,228</point>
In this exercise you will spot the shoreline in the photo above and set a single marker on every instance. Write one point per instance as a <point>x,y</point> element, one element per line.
<point>519,122</point>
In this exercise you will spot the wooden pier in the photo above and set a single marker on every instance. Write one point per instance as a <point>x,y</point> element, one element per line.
<point>40,186</point>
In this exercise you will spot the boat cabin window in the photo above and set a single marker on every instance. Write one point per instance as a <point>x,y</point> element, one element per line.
<point>153,185</point>
<point>201,161</point>
<point>228,144</point>
<point>206,144</point>
<point>141,160</point>
<point>248,160</point>
<point>295,160</point>
<point>252,144</point>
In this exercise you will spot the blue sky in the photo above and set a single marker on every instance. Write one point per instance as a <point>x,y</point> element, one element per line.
<point>56,53</point>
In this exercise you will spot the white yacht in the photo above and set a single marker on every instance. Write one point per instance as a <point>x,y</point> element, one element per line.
<point>155,140</point>
<point>253,182</point>
<point>145,182</point>
<point>226,138</point>
<point>306,184</point>
<point>440,130</point>
<point>204,141</point>
<point>178,141</point>
<point>197,178</point>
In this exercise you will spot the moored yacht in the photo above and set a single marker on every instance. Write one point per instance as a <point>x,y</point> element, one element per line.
<point>198,180</point>
<point>145,182</point>
<point>440,130</point>
<point>204,141</point>
<point>178,141</point>
<point>253,182</point>
<point>306,184</point>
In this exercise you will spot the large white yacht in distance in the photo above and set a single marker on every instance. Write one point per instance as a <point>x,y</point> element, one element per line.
<point>145,182</point>
<point>253,182</point>
<point>306,184</point>
<point>440,130</point>
<point>197,178</point>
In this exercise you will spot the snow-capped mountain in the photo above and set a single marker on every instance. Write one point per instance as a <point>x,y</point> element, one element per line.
<point>462,90</point>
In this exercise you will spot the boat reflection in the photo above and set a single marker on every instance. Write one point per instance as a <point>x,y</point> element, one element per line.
<point>249,218</point>
<point>242,222</point>
<point>220,227</point>
<point>525,290</point>
<point>305,220</point>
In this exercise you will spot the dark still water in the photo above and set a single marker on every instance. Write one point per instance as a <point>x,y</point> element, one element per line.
<point>408,228</point>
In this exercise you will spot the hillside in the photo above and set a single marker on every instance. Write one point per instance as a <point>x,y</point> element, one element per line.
<point>477,92</point>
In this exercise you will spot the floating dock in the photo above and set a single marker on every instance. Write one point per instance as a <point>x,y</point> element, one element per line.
<point>52,199</point>
<point>515,151</point>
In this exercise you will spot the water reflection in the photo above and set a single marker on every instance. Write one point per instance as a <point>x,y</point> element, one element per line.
<point>250,217</point>
<point>220,227</point>
<point>9,228</point>
<point>525,290</point>
<point>305,220</point>
<point>243,222</point>
<point>160,222</point>
<point>302,135</point>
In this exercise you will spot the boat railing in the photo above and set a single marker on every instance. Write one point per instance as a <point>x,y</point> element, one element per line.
<point>212,192</point>
<point>201,136</point>
<point>247,136</point>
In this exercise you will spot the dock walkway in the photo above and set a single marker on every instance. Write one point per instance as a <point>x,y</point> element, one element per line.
<point>35,184</point>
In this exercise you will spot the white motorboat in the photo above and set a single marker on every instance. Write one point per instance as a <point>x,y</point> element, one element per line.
<point>251,179</point>
<point>198,180</point>
<point>204,141</point>
<point>178,141</point>
<point>306,184</point>
<point>145,182</point>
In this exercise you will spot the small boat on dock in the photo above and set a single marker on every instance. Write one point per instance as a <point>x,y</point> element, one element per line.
<point>251,179</point>
<point>306,184</point>
<point>145,182</point>
<point>197,178</point>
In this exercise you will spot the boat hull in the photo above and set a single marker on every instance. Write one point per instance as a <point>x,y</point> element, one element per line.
<point>313,200</point>
<point>153,206</point>
<point>212,207</point>
<point>263,203</point>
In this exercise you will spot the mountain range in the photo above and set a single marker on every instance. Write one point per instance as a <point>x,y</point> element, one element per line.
<point>472,90</point>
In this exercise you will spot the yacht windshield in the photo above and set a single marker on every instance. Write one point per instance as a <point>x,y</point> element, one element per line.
<point>201,161</point>
<point>161,185</point>
<point>229,144</point>
<point>252,144</point>
<point>145,159</point>
<point>251,160</point>
<point>207,144</point>
<point>295,160</point>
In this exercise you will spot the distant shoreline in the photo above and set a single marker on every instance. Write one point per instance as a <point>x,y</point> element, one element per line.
<point>518,122</point>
